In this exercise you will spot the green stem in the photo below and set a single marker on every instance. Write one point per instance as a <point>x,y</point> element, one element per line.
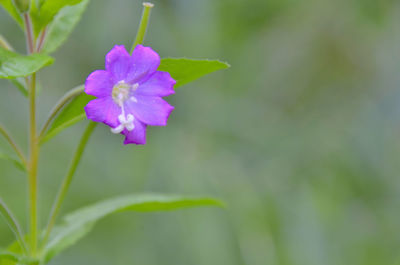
<point>17,150</point>
<point>33,165</point>
<point>143,24</point>
<point>60,104</point>
<point>13,224</point>
<point>33,143</point>
<point>68,179</point>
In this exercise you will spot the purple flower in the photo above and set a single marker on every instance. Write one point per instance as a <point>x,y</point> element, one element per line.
<point>129,93</point>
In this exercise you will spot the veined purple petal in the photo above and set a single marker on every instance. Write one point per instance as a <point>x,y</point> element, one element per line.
<point>103,110</point>
<point>118,62</point>
<point>137,135</point>
<point>144,62</point>
<point>159,84</point>
<point>150,110</point>
<point>99,84</point>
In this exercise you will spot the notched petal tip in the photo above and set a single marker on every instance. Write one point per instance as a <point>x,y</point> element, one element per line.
<point>118,62</point>
<point>137,135</point>
<point>160,84</point>
<point>145,62</point>
<point>99,84</point>
<point>103,110</point>
<point>150,110</point>
<point>127,141</point>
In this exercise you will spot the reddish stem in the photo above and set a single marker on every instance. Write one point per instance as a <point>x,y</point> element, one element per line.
<point>28,30</point>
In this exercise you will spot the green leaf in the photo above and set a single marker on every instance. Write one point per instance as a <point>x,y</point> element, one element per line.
<point>187,70</point>
<point>44,15</point>
<point>79,223</point>
<point>14,65</point>
<point>62,26</point>
<point>70,114</point>
<point>8,5</point>
<point>15,161</point>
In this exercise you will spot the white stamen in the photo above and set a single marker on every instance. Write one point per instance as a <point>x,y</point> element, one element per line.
<point>121,118</point>
<point>130,118</point>
<point>129,122</point>
<point>125,123</point>
<point>118,129</point>
<point>130,126</point>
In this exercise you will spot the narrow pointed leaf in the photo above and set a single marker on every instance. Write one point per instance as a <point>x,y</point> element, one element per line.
<point>20,86</point>
<point>185,70</point>
<point>12,223</point>
<point>17,163</point>
<point>12,10</point>
<point>79,223</point>
<point>10,258</point>
<point>14,65</point>
<point>16,251</point>
<point>62,25</point>
<point>72,113</point>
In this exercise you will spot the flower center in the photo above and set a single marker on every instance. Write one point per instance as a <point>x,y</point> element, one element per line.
<point>120,92</point>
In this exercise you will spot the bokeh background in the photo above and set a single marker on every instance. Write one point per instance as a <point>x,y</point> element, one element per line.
<point>300,137</point>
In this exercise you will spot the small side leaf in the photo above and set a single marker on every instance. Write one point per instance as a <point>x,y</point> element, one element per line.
<point>8,258</point>
<point>45,14</point>
<point>12,10</point>
<point>185,70</point>
<point>70,114</point>
<point>16,251</point>
<point>62,26</point>
<point>79,223</point>
<point>13,224</point>
<point>14,65</point>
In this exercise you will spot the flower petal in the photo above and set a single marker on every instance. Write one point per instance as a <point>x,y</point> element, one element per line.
<point>118,62</point>
<point>137,135</point>
<point>150,110</point>
<point>159,84</point>
<point>103,110</point>
<point>99,84</point>
<point>144,62</point>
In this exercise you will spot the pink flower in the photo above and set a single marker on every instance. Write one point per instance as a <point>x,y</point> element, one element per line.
<point>129,93</point>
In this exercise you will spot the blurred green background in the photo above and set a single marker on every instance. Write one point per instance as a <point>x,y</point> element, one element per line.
<point>300,136</point>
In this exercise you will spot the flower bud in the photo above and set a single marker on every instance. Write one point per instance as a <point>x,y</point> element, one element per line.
<point>22,5</point>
